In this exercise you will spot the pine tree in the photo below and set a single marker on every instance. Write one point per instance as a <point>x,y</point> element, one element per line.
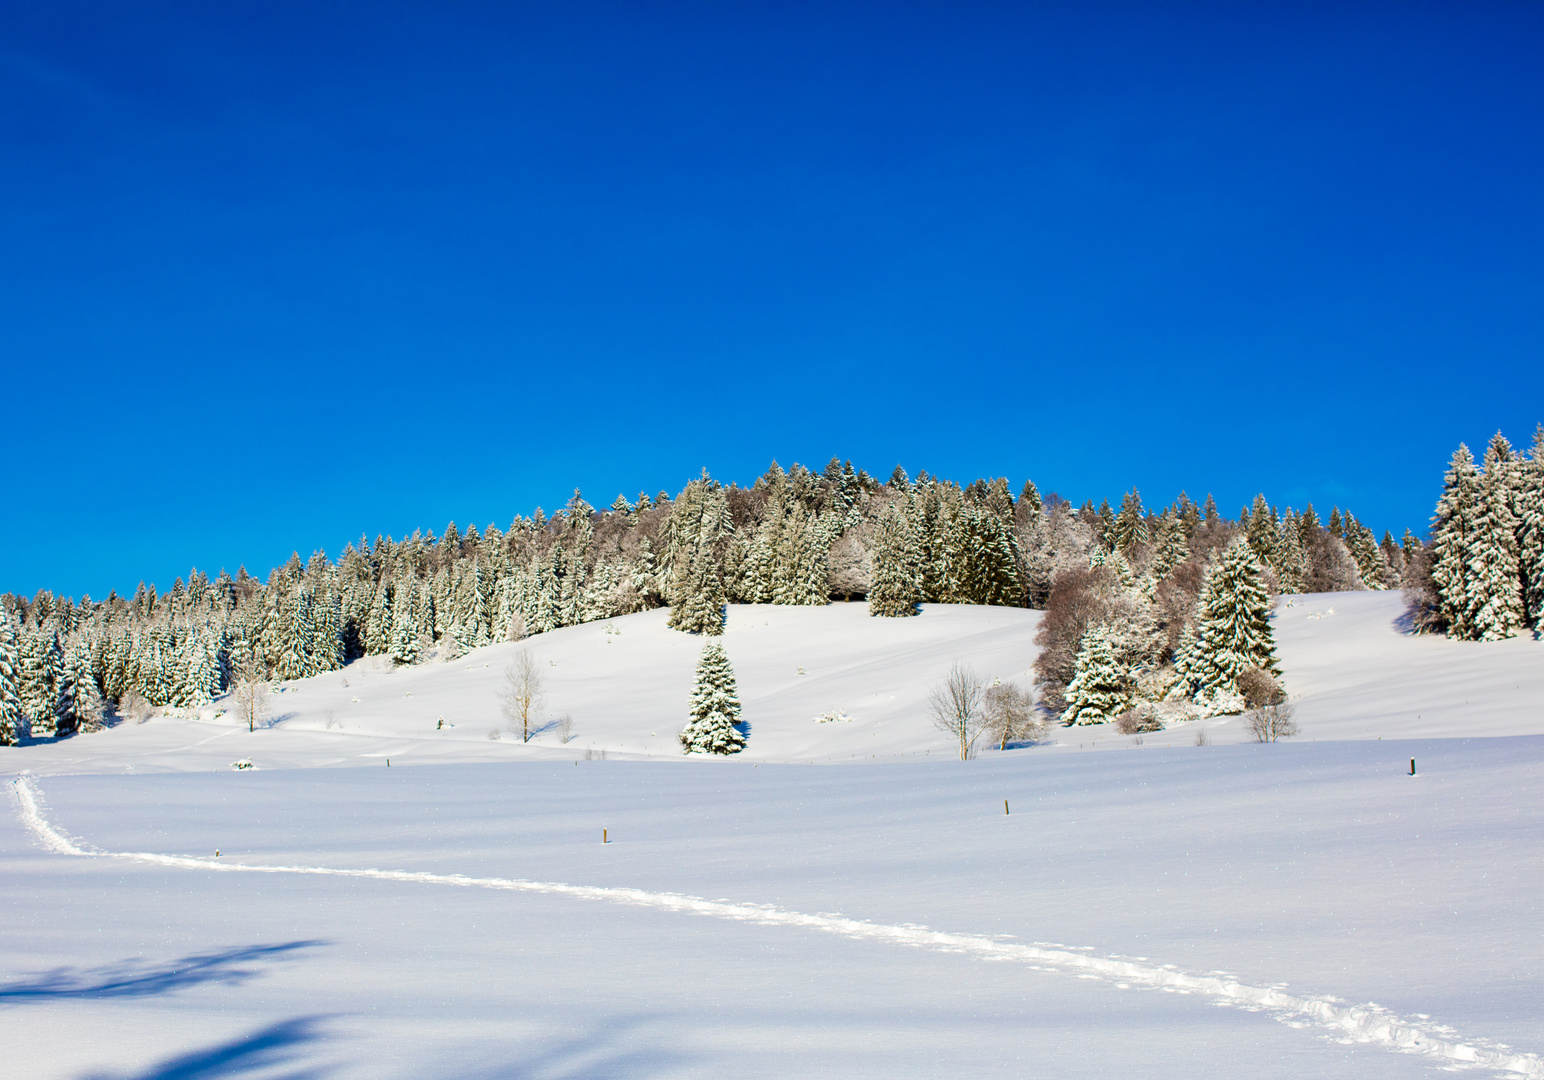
<point>1530,532</point>
<point>1452,529</point>
<point>1495,608</point>
<point>1101,689</point>
<point>405,630</point>
<point>895,590</point>
<point>1235,630</point>
<point>715,706</point>
<point>86,696</point>
<point>700,607</point>
<point>35,678</point>
<point>12,723</point>
<point>1364,549</point>
<point>1130,526</point>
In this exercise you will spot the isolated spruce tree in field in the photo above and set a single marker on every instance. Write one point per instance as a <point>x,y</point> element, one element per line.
<point>715,707</point>
<point>895,591</point>
<point>1235,630</point>
<point>1100,690</point>
<point>12,725</point>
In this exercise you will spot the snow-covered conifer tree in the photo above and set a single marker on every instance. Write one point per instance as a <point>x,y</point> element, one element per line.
<point>699,608</point>
<point>12,721</point>
<point>1451,532</point>
<point>715,706</point>
<point>86,696</point>
<point>1495,609</point>
<point>895,591</point>
<point>1235,630</point>
<point>1364,549</point>
<point>1130,526</point>
<point>1530,531</point>
<point>1101,689</point>
<point>405,630</point>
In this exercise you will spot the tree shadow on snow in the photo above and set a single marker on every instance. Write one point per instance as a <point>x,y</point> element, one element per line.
<point>263,1051</point>
<point>595,1054</point>
<point>133,978</point>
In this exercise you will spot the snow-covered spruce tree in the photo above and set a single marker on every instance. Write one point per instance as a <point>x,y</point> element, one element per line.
<point>894,592</point>
<point>1130,524</point>
<point>405,630</point>
<point>1451,531</point>
<point>1364,549</point>
<point>715,707</point>
<point>699,605</point>
<point>1101,689</point>
<point>1235,630</point>
<point>12,722</point>
<point>1495,609</point>
<point>87,697</point>
<point>1530,532</point>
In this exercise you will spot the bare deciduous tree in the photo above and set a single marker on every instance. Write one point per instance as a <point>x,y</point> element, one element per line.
<point>1008,714</point>
<point>1270,722</point>
<point>956,707</point>
<point>250,693</point>
<point>522,693</point>
<point>565,728</point>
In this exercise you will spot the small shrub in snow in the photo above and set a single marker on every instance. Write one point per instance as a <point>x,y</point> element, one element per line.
<point>493,734</point>
<point>565,728</point>
<point>1270,722</point>
<point>134,708</point>
<point>1143,717</point>
<point>1259,688</point>
<point>242,765</point>
<point>832,716</point>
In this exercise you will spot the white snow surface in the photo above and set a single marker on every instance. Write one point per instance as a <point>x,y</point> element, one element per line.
<point>758,916</point>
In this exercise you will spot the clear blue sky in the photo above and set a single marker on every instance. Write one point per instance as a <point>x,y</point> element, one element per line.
<point>274,275</point>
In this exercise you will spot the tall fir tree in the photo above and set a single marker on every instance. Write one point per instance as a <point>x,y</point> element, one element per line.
<point>13,724</point>
<point>1530,532</point>
<point>1452,530</point>
<point>1235,631</point>
<point>715,706</point>
<point>1495,609</point>
<point>895,591</point>
<point>699,608</point>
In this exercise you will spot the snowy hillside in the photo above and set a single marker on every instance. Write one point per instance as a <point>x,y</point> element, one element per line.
<point>1350,669</point>
<point>1047,910</point>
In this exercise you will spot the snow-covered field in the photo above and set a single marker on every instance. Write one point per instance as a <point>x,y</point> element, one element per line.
<point>1166,910</point>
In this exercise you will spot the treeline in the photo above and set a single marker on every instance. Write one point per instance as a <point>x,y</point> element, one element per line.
<point>792,537</point>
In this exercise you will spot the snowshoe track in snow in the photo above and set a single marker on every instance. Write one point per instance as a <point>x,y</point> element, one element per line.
<point>1365,1024</point>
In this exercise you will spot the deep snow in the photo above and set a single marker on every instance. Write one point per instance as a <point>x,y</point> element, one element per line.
<point>1091,932</point>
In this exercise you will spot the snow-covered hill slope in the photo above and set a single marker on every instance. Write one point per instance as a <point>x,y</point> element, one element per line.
<point>1351,670</point>
<point>1356,674</point>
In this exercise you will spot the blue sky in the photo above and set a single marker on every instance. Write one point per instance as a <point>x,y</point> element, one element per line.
<point>276,275</point>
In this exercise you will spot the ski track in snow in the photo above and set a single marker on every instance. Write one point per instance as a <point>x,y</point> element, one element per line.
<point>1368,1024</point>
